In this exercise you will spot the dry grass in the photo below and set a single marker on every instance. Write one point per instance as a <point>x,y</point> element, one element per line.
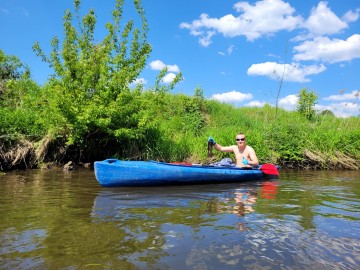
<point>42,148</point>
<point>336,161</point>
<point>346,161</point>
<point>20,153</point>
<point>25,154</point>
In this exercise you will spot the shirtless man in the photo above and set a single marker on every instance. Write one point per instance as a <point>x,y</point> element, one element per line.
<point>245,155</point>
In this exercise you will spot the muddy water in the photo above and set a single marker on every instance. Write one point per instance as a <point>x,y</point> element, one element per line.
<point>57,220</point>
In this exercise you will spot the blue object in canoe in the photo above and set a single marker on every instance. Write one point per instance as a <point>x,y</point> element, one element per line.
<point>114,172</point>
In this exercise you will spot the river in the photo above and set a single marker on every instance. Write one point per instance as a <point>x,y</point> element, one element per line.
<point>65,220</point>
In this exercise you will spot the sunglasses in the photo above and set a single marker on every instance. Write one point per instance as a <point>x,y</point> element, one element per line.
<point>241,139</point>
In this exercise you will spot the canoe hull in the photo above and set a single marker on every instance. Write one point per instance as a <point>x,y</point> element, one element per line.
<point>113,172</point>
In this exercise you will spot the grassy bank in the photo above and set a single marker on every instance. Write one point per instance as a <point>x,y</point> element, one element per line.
<point>288,138</point>
<point>177,129</point>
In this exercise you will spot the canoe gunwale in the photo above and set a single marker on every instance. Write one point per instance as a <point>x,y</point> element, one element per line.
<point>203,166</point>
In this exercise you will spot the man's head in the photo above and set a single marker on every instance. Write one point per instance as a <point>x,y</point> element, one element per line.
<point>240,139</point>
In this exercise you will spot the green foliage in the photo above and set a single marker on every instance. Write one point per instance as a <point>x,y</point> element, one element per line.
<point>306,103</point>
<point>17,123</point>
<point>90,87</point>
<point>89,92</point>
<point>187,113</point>
<point>11,68</point>
<point>327,112</point>
<point>177,119</point>
<point>18,100</point>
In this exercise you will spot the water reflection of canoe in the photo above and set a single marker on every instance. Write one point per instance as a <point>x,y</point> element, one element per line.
<point>113,172</point>
<point>126,202</point>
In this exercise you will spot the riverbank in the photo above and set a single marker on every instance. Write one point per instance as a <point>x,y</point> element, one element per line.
<point>175,128</point>
<point>273,144</point>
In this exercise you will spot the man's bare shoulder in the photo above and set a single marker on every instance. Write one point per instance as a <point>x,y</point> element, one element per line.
<point>249,149</point>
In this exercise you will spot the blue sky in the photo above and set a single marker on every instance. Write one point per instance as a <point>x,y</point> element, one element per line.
<point>236,51</point>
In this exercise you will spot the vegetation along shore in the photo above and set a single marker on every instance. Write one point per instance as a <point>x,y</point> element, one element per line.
<point>88,111</point>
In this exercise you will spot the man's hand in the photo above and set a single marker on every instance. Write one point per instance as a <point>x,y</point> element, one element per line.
<point>211,140</point>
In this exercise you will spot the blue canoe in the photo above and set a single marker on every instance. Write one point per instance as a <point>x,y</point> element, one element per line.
<point>114,172</point>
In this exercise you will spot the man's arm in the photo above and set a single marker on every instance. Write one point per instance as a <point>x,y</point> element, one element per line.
<point>223,148</point>
<point>253,158</point>
<point>220,147</point>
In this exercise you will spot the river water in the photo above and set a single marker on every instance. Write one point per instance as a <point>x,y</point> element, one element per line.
<point>65,220</point>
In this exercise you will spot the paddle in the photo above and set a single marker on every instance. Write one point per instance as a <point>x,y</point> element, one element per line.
<point>269,169</point>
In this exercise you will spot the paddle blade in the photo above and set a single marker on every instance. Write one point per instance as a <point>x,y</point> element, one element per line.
<point>269,169</point>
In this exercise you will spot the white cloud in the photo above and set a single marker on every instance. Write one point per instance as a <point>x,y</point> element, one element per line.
<point>230,49</point>
<point>322,21</point>
<point>351,16</point>
<point>232,96</point>
<point>289,102</point>
<point>140,81</point>
<point>159,65</point>
<point>168,78</point>
<point>264,18</point>
<point>206,39</point>
<point>274,56</point>
<point>327,50</point>
<point>255,103</point>
<point>267,17</point>
<point>341,109</point>
<point>290,72</point>
<point>171,69</point>
<point>354,95</point>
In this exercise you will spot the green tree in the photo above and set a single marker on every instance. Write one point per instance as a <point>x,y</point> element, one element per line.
<point>89,99</point>
<point>90,87</point>
<point>327,112</point>
<point>18,108</point>
<point>11,69</point>
<point>306,103</point>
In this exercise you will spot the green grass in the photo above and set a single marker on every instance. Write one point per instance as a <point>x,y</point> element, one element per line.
<point>284,137</point>
<point>177,129</point>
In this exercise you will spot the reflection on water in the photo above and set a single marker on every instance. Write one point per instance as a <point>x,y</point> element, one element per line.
<point>303,220</point>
